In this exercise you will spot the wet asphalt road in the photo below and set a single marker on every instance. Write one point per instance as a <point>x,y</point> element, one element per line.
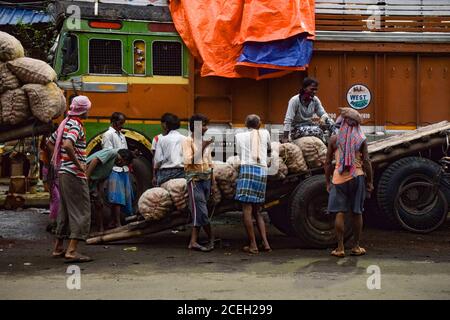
<point>411,266</point>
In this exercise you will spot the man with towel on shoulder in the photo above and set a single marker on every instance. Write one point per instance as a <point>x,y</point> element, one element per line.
<point>349,179</point>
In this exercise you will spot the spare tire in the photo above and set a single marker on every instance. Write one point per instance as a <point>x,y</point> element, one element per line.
<point>308,214</point>
<point>407,196</point>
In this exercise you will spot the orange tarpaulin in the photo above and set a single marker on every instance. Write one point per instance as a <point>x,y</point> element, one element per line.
<point>217,31</point>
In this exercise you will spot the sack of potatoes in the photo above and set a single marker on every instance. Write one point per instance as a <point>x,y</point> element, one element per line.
<point>155,204</point>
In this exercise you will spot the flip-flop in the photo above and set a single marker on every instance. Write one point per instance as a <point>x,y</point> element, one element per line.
<point>263,249</point>
<point>79,258</point>
<point>339,254</point>
<point>200,248</point>
<point>247,249</point>
<point>359,252</point>
<point>59,254</point>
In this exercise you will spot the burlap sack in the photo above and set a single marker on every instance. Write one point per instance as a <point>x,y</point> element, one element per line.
<point>235,162</point>
<point>226,177</point>
<point>351,113</point>
<point>47,102</point>
<point>277,163</point>
<point>30,70</point>
<point>293,158</point>
<point>314,151</point>
<point>177,189</point>
<point>15,107</point>
<point>1,116</point>
<point>155,204</point>
<point>8,81</point>
<point>216,195</point>
<point>10,47</point>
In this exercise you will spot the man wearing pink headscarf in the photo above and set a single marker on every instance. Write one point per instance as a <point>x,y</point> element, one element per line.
<point>351,178</point>
<point>68,143</point>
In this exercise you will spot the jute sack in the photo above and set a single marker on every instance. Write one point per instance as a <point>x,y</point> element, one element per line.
<point>47,102</point>
<point>293,158</point>
<point>216,195</point>
<point>155,204</point>
<point>10,47</point>
<point>8,81</point>
<point>277,163</point>
<point>1,116</point>
<point>226,178</point>
<point>235,162</point>
<point>314,151</point>
<point>15,107</point>
<point>177,189</point>
<point>30,70</point>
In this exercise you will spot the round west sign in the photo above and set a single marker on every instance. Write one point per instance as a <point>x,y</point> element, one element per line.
<point>358,96</point>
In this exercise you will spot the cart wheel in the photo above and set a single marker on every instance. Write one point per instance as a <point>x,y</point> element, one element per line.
<point>308,214</point>
<point>407,196</point>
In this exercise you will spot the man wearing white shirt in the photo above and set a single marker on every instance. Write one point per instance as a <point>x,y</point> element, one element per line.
<point>169,161</point>
<point>253,147</point>
<point>120,191</point>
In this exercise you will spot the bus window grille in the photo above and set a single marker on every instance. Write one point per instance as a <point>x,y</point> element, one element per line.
<point>167,58</point>
<point>105,56</point>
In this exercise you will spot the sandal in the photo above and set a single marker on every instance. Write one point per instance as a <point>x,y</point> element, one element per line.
<point>60,254</point>
<point>200,248</point>
<point>247,249</point>
<point>358,251</point>
<point>339,254</point>
<point>78,258</point>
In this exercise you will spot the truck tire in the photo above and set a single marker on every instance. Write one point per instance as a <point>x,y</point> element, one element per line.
<point>307,210</point>
<point>406,198</point>
<point>279,217</point>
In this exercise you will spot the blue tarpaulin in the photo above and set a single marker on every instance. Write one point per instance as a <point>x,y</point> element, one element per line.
<point>295,51</point>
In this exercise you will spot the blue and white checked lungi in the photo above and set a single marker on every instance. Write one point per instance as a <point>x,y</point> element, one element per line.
<point>251,184</point>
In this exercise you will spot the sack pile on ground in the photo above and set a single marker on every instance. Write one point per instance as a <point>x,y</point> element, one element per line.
<point>177,189</point>
<point>293,158</point>
<point>155,204</point>
<point>39,96</point>
<point>226,178</point>
<point>235,162</point>
<point>314,151</point>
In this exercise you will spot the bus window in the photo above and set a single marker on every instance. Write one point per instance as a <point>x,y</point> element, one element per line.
<point>139,57</point>
<point>105,56</point>
<point>167,58</point>
<point>70,54</point>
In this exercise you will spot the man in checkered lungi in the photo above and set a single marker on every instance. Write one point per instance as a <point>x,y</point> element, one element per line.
<point>252,147</point>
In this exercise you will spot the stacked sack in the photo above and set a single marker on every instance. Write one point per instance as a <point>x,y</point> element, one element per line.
<point>275,162</point>
<point>235,162</point>
<point>177,189</point>
<point>314,151</point>
<point>226,177</point>
<point>293,157</point>
<point>155,204</point>
<point>216,195</point>
<point>27,86</point>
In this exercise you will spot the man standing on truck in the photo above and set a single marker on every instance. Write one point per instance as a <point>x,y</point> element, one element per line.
<point>252,147</point>
<point>168,161</point>
<point>301,109</point>
<point>351,178</point>
<point>119,180</point>
<point>198,170</point>
<point>68,145</point>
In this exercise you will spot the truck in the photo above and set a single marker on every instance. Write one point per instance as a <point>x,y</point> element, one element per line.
<point>132,59</point>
